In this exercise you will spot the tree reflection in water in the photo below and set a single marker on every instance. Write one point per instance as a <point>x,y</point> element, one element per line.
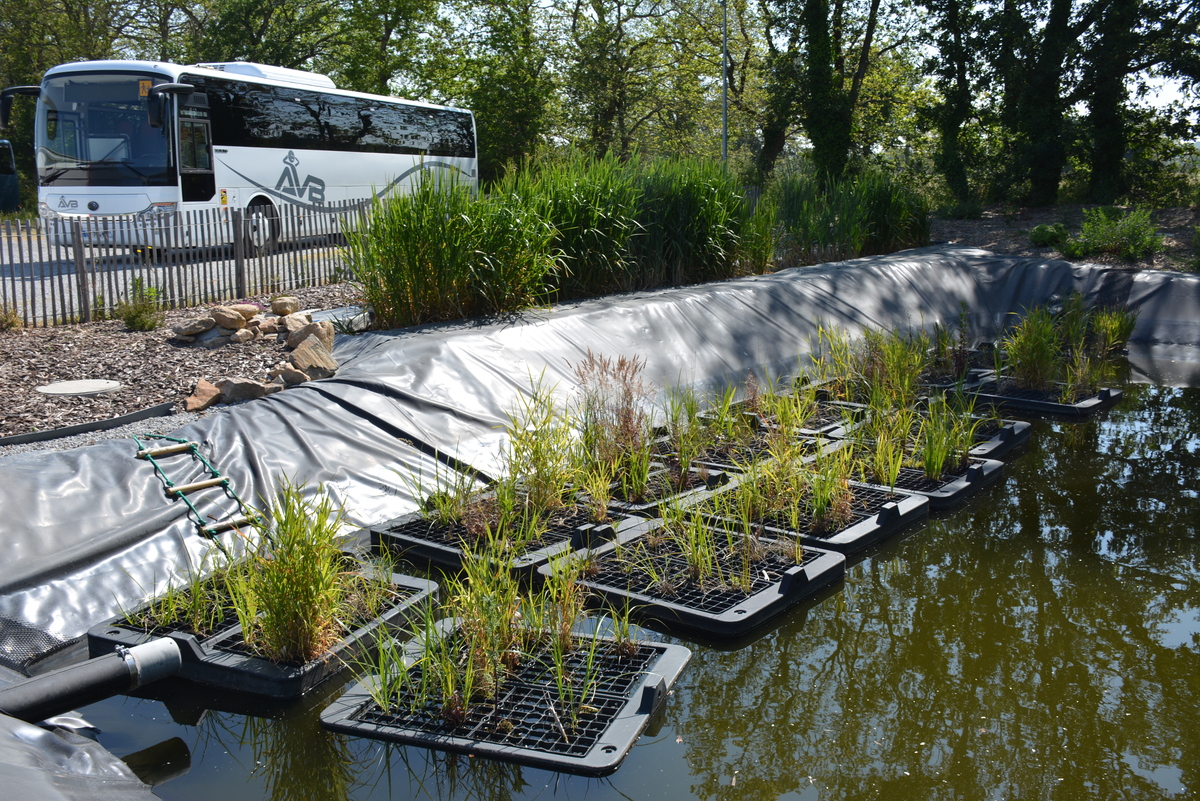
<point>1014,649</point>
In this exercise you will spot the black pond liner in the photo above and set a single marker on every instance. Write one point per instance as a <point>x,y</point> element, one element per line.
<point>995,440</point>
<point>523,724</point>
<point>953,488</point>
<point>222,659</point>
<point>1045,403</point>
<point>701,485</point>
<point>418,538</point>
<point>876,515</point>
<point>776,583</point>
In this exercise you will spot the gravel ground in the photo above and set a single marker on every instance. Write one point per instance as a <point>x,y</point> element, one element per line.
<point>151,368</point>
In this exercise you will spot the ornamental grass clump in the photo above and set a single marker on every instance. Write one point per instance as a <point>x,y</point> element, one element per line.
<point>440,253</point>
<point>1032,350</point>
<point>823,219</point>
<point>593,206</point>
<point>295,594</point>
<point>693,217</point>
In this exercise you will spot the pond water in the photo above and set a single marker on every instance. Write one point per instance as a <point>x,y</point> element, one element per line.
<point>1041,642</point>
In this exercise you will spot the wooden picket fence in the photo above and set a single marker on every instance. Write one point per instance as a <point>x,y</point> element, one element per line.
<point>69,270</point>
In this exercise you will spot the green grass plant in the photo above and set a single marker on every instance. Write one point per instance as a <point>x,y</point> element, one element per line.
<point>1032,350</point>
<point>693,217</point>
<point>1110,329</point>
<point>142,311</point>
<point>869,213</point>
<point>441,254</point>
<point>593,206</point>
<point>539,451</point>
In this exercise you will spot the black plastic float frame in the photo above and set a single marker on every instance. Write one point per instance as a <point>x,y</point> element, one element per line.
<point>646,698</point>
<point>715,481</point>
<point>907,510</point>
<point>205,663</point>
<point>525,565</point>
<point>1012,434</point>
<point>798,582</point>
<point>1106,398</point>
<point>978,475</point>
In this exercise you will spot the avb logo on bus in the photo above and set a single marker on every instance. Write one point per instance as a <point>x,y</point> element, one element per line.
<point>289,182</point>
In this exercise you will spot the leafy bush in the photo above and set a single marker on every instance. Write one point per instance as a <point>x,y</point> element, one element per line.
<point>1108,230</point>
<point>142,311</point>
<point>962,210</point>
<point>1049,235</point>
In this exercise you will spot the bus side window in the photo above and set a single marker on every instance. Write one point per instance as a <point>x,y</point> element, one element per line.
<point>193,146</point>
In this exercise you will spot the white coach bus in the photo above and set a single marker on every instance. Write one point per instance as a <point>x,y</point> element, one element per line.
<point>150,139</point>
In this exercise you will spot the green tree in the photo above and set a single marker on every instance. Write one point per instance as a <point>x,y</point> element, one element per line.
<point>615,63</point>
<point>511,88</point>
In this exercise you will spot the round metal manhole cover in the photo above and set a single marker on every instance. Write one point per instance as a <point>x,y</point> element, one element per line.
<point>88,386</point>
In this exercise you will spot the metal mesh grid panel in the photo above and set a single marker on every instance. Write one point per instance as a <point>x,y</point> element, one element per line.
<point>524,714</point>
<point>669,578</point>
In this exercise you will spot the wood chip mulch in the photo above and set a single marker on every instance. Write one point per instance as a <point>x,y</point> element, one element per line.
<point>151,368</point>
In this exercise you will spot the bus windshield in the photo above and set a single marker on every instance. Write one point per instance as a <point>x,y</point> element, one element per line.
<point>93,129</point>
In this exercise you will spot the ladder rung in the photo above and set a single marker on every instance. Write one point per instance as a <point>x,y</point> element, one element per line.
<point>184,489</point>
<point>225,525</point>
<point>166,450</point>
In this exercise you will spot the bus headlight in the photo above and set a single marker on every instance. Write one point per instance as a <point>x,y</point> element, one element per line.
<point>157,210</point>
<point>47,213</point>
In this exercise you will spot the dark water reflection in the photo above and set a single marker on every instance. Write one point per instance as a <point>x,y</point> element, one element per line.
<point>1042,643</point>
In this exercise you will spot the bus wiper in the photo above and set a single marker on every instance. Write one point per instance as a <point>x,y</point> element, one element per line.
<point>145,178</point>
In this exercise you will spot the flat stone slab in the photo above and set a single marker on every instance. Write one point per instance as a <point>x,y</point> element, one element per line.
<point>88,386</point>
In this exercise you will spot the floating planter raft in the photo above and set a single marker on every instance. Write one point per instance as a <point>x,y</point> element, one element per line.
<point>445,544</point>
<point>661,493</point>
<point>994,440</point>
<point>876,515</point>
<point>953,488</point>
<point>649,574</point>
<point>222,658</point>
<point>1044,403</point>
<point>526,721</point>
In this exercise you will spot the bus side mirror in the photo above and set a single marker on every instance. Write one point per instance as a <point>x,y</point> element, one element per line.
<point>156,100</point>
<point>6,99</point>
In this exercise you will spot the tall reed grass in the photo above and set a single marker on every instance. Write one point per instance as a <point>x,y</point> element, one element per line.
<point>441,254</point>
<point>861,215</point>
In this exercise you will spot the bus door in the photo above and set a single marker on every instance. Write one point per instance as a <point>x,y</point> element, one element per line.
<point>199,184</point>
<point>10,193</point>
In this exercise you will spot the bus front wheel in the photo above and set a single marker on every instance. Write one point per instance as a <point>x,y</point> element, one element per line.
<point>262,227</point>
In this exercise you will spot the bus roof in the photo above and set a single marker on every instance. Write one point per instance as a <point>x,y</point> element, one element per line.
<point>242,70</point>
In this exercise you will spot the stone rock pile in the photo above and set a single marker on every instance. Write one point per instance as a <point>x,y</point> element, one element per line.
<point>310,343</point>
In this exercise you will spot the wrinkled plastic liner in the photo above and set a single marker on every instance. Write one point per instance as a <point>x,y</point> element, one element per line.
<point>222,659</point>
<point>524,723</point>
